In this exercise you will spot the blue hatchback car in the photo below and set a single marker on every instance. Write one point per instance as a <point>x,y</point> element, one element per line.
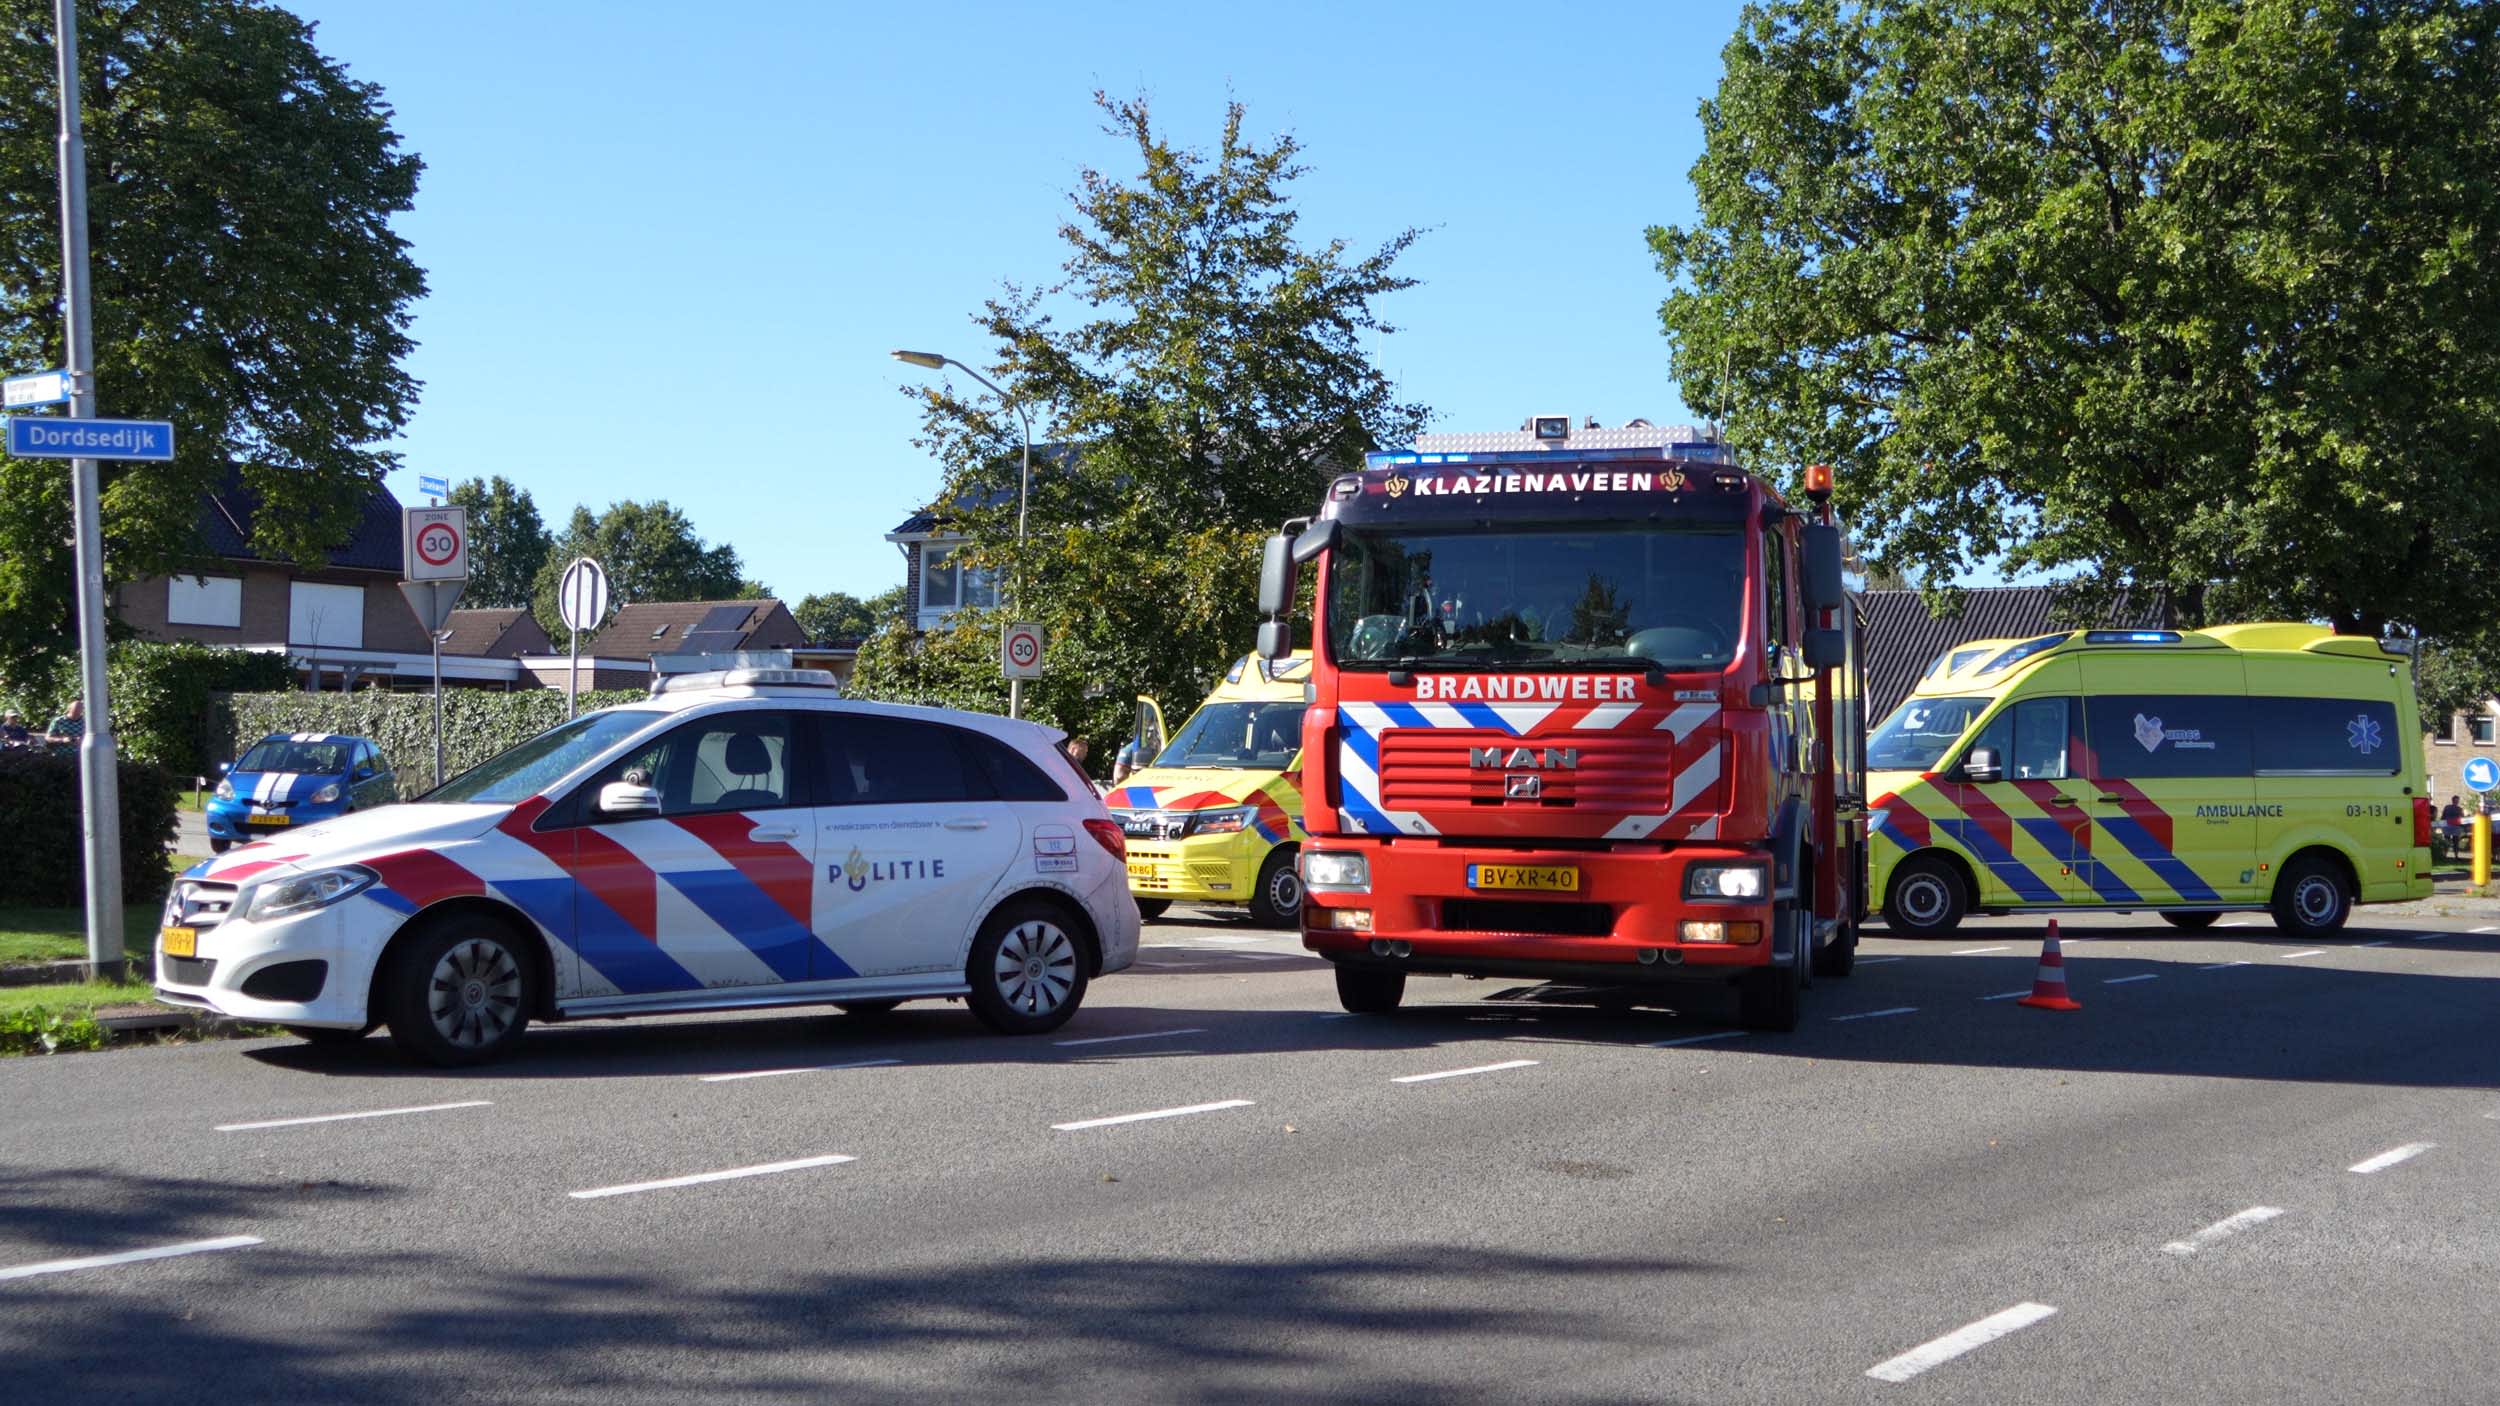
<point>287,780</point>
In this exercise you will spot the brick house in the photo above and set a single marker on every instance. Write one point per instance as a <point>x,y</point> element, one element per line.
<point>2453,741</point>
<point>648,638</point>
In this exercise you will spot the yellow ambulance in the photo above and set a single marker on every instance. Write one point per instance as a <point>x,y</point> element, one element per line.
<point>2188,772</point>
<point>1215,815</point>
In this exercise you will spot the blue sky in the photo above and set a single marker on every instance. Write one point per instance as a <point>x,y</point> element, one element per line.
<point>670,245</point>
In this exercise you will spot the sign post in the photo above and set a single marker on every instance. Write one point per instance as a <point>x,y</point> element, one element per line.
<point>582,602</point>
<point>1019,658</point>
<point>434,556</point>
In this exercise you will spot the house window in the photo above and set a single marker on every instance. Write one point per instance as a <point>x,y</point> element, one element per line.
<point>945,586</point>
<point>2444,728</point>
<point>205,600</point>
<point>325,615</point>
<point>2486,729</point>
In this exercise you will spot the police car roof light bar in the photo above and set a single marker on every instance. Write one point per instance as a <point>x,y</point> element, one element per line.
<point>744,678</point>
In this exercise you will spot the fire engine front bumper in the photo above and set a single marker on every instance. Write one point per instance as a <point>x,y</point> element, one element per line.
<point>1625,919</point>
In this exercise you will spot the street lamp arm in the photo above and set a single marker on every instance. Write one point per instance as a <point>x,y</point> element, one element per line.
<point>1024,491</point>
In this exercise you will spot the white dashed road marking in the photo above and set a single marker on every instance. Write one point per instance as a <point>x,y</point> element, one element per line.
<point>2007,995</point>
<point>1870,961</point>
<point>1083,1124</point>
<point>799,1069</point>
<point>2222,966</point>
<point>2296,956</point>
<point>1697,1039</point>
<point>1959,1341</point>
<point>1454,1073</point>
<point>733,1174</point>
<point>1148,1035</point>
<point>2391,1157</point>
<point>2478,932</point>
<point>2141,976</point>
<point>1975,951</point>
<point>348,1117</point>
<point>1875,1015</point>
<point>2222,1229</point>
<point>161,1252</point>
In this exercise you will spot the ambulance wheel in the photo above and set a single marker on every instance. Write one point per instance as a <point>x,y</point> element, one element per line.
<point>1277,901</point>
<point>458,991</point>
<point>2313,897</point>
<point>2190,922</point>
<point>1774,998</point>
<point>1365,991</point>
<point>1027,970</point>
<point>1926,898</point>
<point>1149,909</point>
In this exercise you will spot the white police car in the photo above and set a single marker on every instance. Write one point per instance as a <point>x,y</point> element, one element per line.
<point>742,839</point>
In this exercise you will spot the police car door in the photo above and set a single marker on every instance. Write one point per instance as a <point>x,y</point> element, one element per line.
<point>2170,778</point>
<point>911,839</point>
<point>712,892</point>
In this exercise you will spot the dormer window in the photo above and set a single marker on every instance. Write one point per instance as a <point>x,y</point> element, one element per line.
<point>655,634</point>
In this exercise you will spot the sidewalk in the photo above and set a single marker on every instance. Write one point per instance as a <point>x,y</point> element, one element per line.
<point>2450,898</point>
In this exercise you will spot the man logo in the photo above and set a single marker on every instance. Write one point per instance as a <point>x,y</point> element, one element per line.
<point>1523,786</point>
<point>1524,759</point>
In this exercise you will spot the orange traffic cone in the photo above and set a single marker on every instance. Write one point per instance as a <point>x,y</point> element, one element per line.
<point>2048,989</point>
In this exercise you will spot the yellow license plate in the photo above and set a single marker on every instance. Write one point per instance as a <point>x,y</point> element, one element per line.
<point>179,942</point>
<point>1541,878</point>
<point>269,820</point>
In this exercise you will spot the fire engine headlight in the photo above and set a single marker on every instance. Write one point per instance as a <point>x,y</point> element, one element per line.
<point>1223,822</point>
<point>302,893</point>
<point>1324,872</point>
<point>1725,881</point>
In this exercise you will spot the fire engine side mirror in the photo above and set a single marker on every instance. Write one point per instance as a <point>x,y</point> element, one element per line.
<point>1825,649</point>
<point>1821,543</point>
<point>1982,765</point>
<point>1275,638</point>
<point>1275,580</point>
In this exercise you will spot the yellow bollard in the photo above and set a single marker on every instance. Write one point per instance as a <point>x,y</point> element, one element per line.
<point>2482,854</point>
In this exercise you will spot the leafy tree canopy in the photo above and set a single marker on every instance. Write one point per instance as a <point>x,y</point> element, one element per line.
<point>837,615</point>
<point>508,543</point>
<point>2189,293</point>
<point>247,283</point>
<point>1210,367</point>
<point>650,552</point>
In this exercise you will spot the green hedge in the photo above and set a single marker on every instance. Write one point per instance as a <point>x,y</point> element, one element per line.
<point>163,697</point>
<point>477,723</point>
<point>41,833</point>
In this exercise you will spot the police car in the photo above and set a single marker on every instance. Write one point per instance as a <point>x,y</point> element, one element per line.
<point>743,838</point>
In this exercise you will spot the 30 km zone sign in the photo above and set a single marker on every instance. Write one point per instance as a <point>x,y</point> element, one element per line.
<point>434,543</point>
<point>1020,652</point>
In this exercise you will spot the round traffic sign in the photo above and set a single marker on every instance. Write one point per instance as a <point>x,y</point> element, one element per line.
<point>1023,648</point>
<point>2481,774</point>
<point>582,594</point>
<point>1020,652</point>
<point>438,543</point>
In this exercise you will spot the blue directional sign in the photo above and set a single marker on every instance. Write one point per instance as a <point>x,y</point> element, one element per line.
<point>433,486</point>
<point>2481,774</point>
<point>47,437</point>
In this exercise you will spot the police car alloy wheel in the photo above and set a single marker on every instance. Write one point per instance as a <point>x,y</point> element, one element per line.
<point>1028,970</point>
<point>458,993</point>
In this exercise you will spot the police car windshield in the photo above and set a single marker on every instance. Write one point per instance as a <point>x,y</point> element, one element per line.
<point>1919,732</point>
<point>1529,597</point>
<point>1256,736</point>
<point>522,772</point>
<point>286,754</point>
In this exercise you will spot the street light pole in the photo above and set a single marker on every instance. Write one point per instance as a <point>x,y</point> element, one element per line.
<point>99,784</point>
<point>1024,493</point>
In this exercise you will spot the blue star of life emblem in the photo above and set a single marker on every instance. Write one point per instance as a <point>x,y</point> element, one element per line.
<point>2362,732</point>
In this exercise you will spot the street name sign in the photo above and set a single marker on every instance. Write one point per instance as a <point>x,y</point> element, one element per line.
<point>1020,651</point>
<point>2481,774</point>
<point>51,437</point>
<point>434,544</point>
<point>39,388</point>
<point>434,485</point>
<point>582,596</point>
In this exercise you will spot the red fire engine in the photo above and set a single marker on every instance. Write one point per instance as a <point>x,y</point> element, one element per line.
<point>1585,707</point>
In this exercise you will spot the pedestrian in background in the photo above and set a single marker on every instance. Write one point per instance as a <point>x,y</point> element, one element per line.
<point>65,730</point>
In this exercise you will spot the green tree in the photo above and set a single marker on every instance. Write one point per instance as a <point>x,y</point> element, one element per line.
<point>835,615</point>
<point>650,552</point>
<point>508,543</point>
<point>2457,675</point>
<point>247,283</point>
<point>1212,367</point>
<point>2189,293</point>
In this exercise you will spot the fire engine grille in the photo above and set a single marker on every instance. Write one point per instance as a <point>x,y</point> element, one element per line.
<point>1525,916</point>
<point>1432,768</point>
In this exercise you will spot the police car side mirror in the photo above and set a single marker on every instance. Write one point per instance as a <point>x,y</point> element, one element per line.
<point>1825,649</point>
<point>1982,765</point>
<point>1275,579</point>
<point>620,800</point>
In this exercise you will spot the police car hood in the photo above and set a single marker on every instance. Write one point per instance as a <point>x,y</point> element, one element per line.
<point>353,838</point>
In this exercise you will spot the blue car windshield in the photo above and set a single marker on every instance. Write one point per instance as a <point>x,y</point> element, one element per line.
<point>307,758</point>
<point>513,776</point>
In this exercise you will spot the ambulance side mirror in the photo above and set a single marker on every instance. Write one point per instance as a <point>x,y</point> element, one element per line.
<point>1275,581</point>
<point>1821,543</point>
<point>1982,765</point>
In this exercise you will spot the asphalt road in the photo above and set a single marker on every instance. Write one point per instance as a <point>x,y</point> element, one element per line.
<point>2161,1197</point>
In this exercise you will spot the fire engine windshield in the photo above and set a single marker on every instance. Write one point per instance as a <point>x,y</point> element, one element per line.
<point>1525,597</point>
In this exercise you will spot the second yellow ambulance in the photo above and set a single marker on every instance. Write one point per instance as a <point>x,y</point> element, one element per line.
<point>1215,816</point>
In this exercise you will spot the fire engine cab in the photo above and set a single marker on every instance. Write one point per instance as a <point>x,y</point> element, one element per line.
<point>1584,707</point>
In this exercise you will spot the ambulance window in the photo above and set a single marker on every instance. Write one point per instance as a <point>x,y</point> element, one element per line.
<point>2029,739</point>
<point>2307,736</point>
<point>2175,734</point>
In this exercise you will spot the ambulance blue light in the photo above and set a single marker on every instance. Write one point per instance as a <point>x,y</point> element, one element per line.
<point>2131,637</point>
<point>2021,652</point>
